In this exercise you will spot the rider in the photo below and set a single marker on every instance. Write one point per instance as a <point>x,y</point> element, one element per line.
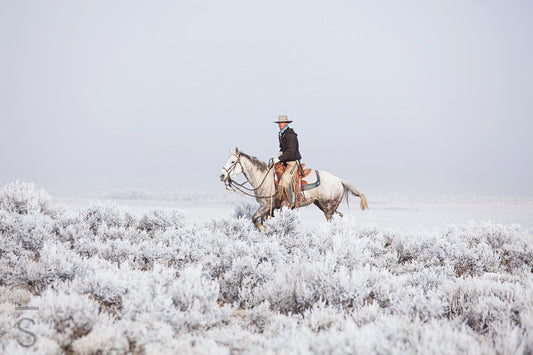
<point>289,155</point>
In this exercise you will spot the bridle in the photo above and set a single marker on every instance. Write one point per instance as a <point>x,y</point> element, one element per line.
<point>240,188</point>
<point>233,166</point>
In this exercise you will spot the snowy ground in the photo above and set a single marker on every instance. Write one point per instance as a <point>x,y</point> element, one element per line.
<point>134,273</point>
<point>397,211</point>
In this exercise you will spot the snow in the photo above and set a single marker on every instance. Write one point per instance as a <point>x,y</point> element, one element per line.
<point>188,272</point>
<point>397,211</point>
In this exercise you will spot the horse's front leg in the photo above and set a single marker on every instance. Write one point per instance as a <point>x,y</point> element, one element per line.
<point>262,212</point>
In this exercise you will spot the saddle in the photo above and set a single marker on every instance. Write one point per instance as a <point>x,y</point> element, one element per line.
<point>300,183</point>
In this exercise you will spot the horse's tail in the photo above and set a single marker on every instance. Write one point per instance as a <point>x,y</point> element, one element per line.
<point>350,188</point>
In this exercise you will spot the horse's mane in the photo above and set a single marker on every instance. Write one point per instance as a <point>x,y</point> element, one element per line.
<point>256,162</point>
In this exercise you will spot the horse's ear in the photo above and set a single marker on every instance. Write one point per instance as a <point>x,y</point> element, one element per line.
<point>230,151</point>
<point>236,150</point>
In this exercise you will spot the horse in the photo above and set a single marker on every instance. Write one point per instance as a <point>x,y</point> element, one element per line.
<point>327,196</point>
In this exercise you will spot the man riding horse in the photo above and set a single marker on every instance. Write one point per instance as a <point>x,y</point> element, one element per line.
<point>326,193</point>
<point>289,156</point>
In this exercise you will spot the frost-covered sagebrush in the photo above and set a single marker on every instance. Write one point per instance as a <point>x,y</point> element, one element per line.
<point>105,281</point>
<point>25,198</point>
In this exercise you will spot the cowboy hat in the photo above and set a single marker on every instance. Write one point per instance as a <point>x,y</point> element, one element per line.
<point>282,119</point>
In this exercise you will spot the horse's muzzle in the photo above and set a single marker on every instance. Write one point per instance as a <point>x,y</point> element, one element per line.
<point>222,177</point>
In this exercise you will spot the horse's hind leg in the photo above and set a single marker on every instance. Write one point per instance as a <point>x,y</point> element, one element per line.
<point>318,205</point>
<point>327,211</point>
<point>329,207</point>
<point>336,205</point>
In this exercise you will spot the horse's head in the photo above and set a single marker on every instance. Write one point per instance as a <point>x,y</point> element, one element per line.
<point>233,166</point>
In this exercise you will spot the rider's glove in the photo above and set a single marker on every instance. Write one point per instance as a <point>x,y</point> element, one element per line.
<point>276,160</point>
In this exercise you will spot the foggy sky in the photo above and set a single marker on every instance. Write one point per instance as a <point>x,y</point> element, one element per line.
<point>391,95</point>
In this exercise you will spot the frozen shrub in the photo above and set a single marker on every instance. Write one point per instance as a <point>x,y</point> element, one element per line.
<point>238,228</point>
<point>237,281</point>
<point>418,305</point>
<point>68,230</point>
<point>259,317</point>
<point>118,251</point>
<point>87,246</point>
<point>527,324</point>
<point>322,317</point>
<point>22,233</point>
<point>100,215</point>
<point>104,338</point>
<point>294,288</point>
<point>160,220</point>
<point>194,292</point>
<point>17,294</point>
<point>148,334</point>
<point>484,304</point>
<point>25,198</point>
<point>102,282</point>
<point>186,344</point>
<point>472,262</point>
<point>366,314</point>
<point>285,223</point>
<point>245,209</point>
<point>517,256</point>
<point>56,263</point>
<point>65,317</point>
<point>42,346</point>
<point>114,233</point>
<point>187,302</point>
<point>25,247</point>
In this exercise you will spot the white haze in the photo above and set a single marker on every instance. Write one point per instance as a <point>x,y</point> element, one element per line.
<point>393,96</point>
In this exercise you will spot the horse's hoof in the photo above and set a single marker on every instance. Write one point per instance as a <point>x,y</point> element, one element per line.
<point>260,227</point>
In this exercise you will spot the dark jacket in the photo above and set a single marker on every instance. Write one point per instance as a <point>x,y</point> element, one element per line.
<point>288,144</point>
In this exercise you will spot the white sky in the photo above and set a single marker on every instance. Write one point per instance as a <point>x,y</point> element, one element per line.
<point>391,95</point>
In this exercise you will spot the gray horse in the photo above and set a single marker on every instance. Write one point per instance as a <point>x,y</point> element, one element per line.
<point>327,196</point>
